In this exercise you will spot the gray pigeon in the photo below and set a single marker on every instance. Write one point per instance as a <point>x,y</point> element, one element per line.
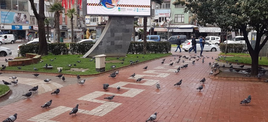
<point>158,86</point>
<point>178,83</point>
<point>15,82</point>
<point>47,104</point>
<point>47,80</point>
<point>74,111</point>
<point>152,117</point>
<point>118,88</point>
<point>29,94</point>
<point>110,97</point>
<point>145,67</point>
<point>113,75</point>
<point>6,83</point>
<point>78,77</point>
<point>57,91</point>
<point>11,118</point>
<point>105,86</point>
<point>139,79</point>
<point>59,76</point>
<point>82,82</point>
<point>246,101</point>
<point>63,78</point>
<point>34,88</point>
<point>200,88</point>
<point>133,75</point>
<point>203,80</point>
<point>36,75</point>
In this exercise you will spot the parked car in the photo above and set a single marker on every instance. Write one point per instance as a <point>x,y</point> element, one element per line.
<point>207,47</point>
<point>34,41</point>
<point>86,40</point>
<point>213,39</point>
<point>236,40</point>
<point>4,51</point>
<point>151,38</point>
<point>7,38</point>
<point>175,40</point>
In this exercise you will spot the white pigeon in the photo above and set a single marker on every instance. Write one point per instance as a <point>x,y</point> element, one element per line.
<point>152,117</point>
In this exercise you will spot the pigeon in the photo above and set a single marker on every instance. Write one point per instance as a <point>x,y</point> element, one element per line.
<point>6,60</point>
<point>116,72</point>
<point>57,91</point>
<point>203,80</point>
<point>145,67</point>
<point>19,67</point>
<point>109,98</point>
<point>36,75</point>
<point>193,62</point>
<point>78,77</point>
<point>63,78</point>
<point>69,65</point>
<point>3,67</point>
<point>11,118</point>
<point>74,111</point>
<point>246,101</point>
<point>182,61</point>
<point>158,86</point>
<point>79,61</point>
<point>171,64</point>
<point>82,81</point>
<point>237,70</point>
<point>6,83</point>
<point>74,64</point>
<point>209,63</point>
<point>47,104</point>
<point>34,88</point>
<point>200,88</point>
<point>60,70</point>
<point>47,80</point>
<point>223,65</point>
<point>178,83</point>
<point>152,117</point>
<point>113,66</point>
<point>113,75</point>
<point>51,59</point>
<point>162,62</point>
<point>133,75</point>
<point>163,59</point>
<point>13,77</point>
<point>35,69</point>
<point>118,88</point>
<point>105,86</point>
<point>211,72</point>
<point>139,79</point>
<point>29,94</point>
<point>59,76</point>
<point>242,66</point>
<point>15,82</point>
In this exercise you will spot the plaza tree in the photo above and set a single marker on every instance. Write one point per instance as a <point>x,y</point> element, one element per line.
<point>145,28</point>
<point>57,8</point>
<point>40,16</point>
<point>70,13</point>
<point>233,15</point>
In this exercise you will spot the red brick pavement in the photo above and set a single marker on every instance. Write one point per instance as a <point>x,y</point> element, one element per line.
<point>218,101</point>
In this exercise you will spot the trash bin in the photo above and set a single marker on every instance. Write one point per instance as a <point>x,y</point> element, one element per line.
<point>61,39</point>
<point>100,62</point>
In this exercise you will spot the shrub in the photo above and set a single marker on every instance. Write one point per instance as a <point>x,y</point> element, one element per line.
<point>30,48</point>
<point>233,48</point>
<point>152,47</point>
<point>80,48</point>
<point>57,48</point>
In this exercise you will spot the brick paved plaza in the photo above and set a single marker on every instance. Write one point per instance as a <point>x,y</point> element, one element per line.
<point>219,101</point>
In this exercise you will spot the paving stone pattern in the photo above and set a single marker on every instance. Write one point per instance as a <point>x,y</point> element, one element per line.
<point>219,101</point>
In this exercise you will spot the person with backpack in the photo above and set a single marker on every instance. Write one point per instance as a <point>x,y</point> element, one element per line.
<point>193,44</point>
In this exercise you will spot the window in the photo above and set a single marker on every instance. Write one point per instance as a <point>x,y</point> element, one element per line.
<point>167,5</point>
<point>5,4</point>
<point>212,38</point>
<point>32,20</point>
<point>93,19</point>
<point>179,18</point>
<point>23,5</point>
<point>14,5</point>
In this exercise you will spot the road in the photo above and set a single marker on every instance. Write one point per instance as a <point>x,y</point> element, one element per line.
<point>13,48</point>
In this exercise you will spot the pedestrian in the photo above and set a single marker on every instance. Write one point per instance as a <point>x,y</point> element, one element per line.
<point>193,44</point>
<point>202,44</point>
<point>178,44</point>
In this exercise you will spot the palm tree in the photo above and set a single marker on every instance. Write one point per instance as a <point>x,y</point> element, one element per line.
<point>70,13</point>
<point>57,8</point>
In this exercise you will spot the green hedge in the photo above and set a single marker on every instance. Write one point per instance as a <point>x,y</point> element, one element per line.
<point>233,48</point>
<point>152,47</point>
<point>82,48</point>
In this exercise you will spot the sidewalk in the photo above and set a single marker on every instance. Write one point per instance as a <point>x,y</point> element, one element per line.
<point>219,101</point>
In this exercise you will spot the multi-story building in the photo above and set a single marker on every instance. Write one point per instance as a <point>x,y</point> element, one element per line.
<point>15,18</point>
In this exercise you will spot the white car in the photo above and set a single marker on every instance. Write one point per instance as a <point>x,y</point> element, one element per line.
<point>4,51</point>
<point>86,40</point>
<point>207,47</point>
<point>236,40</point>
<point>213,39</point>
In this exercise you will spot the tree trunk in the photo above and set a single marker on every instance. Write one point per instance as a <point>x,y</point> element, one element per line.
<point>144,35</point>
<point>41,29</point>
<point>47,31</point>
<point>72,29</point>
<point>254,63</point>
<point>57,25</point>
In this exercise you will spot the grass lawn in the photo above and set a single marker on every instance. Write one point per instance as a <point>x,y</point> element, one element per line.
<point>246,60</point>
<point>3,89</point>
<point>86,63</point>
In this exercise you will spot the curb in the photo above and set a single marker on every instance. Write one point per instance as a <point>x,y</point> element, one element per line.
<point>5,93</point>
<point>247,79</point>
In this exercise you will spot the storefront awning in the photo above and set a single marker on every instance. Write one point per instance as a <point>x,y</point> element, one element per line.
<point>182,30</point>
<point>161,29</point>
<point>209,29</point>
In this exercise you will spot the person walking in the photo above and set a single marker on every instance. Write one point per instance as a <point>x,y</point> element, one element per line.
<point>202,44</point>
<point>178,44</point>
<point>193,44</point>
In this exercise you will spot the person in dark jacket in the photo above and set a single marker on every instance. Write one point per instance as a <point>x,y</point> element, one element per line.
<point>193,44</point>
<point>179,44</point>
<point>202,44</point>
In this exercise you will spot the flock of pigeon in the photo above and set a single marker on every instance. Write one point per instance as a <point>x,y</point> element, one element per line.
<point>153,117</point>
